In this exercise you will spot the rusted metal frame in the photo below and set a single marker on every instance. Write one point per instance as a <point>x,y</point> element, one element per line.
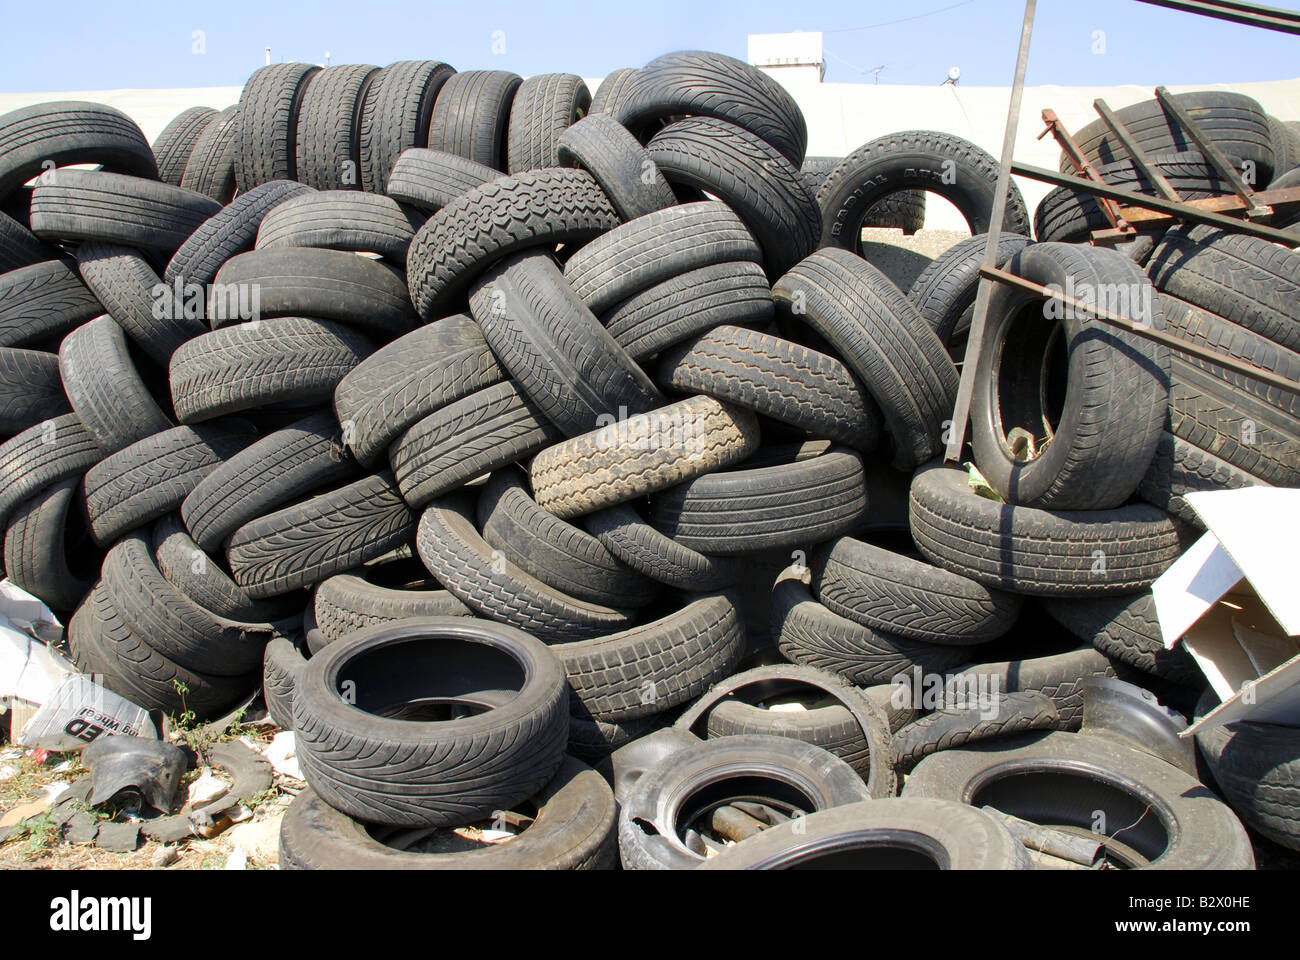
<point>1251,14</point>
<point>966,386</point>
<point>1181,211</point>
<point>1212,153</point>
<point>1135,152</point>
<point>1283,200</point>
<point>1081,163</point>
<point>1141,330</point>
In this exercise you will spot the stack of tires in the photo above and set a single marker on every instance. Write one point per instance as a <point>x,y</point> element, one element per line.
<point>497,424</point>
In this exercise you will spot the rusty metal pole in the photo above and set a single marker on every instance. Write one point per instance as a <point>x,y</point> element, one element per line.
<point>961,409</point>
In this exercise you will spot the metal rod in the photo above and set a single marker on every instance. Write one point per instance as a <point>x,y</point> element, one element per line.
<point>1083,165</point>
<point>966,387</point>
<point>1180,211</point>
<point>1251,14</point>
<point>1211,152</point>
<point>1135,152</point>
<point>1141,330</point>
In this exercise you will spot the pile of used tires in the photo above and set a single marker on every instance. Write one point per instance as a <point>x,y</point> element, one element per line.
<point>533,449</point>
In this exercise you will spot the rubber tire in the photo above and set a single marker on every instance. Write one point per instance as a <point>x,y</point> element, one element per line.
<point>1205,833</point>
<point>1125,628</point>
<point>173,147</point>
<point>621,530</point>
<point>66,132</point>
<point>396,114</point>
<point>619,462</point>
<point>884,340</point>
<point>954,168</point>
<point>431,179</point>
<point>41,456</point>
<point>104,387</point>
<point>602,146</point>
<point>1181,467</point>
<point>573,830</point>
<point>341,220</point>
<point>1008,715</point>
<point>1037,552</point>
<point>31,389</point>
<point>257,364</point>
<point>1061,677</point>
<point>497,219</point>
<point>150,478</point>
<point>43,534</point>
<point>281,666</point>
<point>1116,399</point>
<point>543,107</point>
<point>210,169</point>
<point>328,138</point>
<point>42,302</point>
<point>554,347</point>
<point>611,89</point>
<point>409,379</point>
<point>346,603</point>
<point>335,531</point>
<point>944,292</point>
<point>472,116</point>
<point>440,773</point>
<point>481,432</point>
<point>268,123</point>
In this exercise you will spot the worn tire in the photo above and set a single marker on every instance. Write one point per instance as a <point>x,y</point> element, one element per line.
<point>602,146</point>
<point>472,116</point>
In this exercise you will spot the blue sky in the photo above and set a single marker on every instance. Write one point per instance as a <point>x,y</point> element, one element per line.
<point>99,45</point>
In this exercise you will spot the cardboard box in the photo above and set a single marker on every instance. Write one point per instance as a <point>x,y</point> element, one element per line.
<point>1233,601</point>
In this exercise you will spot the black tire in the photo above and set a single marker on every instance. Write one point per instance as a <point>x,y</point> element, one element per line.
<point>488,583</point>
<point>42,302</point>
<point>396,115</point>
<point>1070,217</point>
<point>38,138</point>
<point>265,475</point>
<point>642,454</point>
<point>611,90</point>
<point>104,387</point>
<point>653,667</point>
<point>431,179</point>
<point>954,168</point>
<point>1060,677</point>
<point>1153,812</point>
<point>1257,768</point>
<point>573,829</point>
<point>775,378</point>
<point>555,348</point>
<point>1102,433</point>
<point>809,634</point>
<point>543,107</point>
<point>494,220</point>
<point>41,456</point>
<point>640,546</point>
<point>19,247</point>
<point>341,220</point>
<point>256,364</point>
<point>47,550</point>
<point>944,292</point>
<point>93,205</point>
<point>126,284</point>
<point>884,340</point>
<point>325,284</point>
<point>103,646</point>
<point>200,577</point>
<point>750,176</point>
<point>996,716</point>
<point>472,116</point>
<point>210,169</point>
<point>150,478</point>
<point>409,379</point>
<point>348,602</point>
<point>689,304</point>
<point>1125,628</point>
<point>173,147</point>
<point>175,626</point>
<point>670,796</point>
<point>335,531</point>
<point>697,83</point>
<point>904,210</point>
<point>1234,122</point>
<point>654,249</point>
<point>31,389</point>
<point>1244,280</point>
<point>793,503</point>
<point>602,146</point>
<point>328,154</point>
<point>1285,138</point>
<point>592,741</point>
<point>281,666</point>
<point>907,597</point>
<point>1181,467</point>
<point>412,772</point>
<point>268,123</point>
<point>1038,552</point>
<point>227,233</point>
<point>467,438</point>
<point>900,833</point>
<point>1191,323</point>
<point>553,550</point>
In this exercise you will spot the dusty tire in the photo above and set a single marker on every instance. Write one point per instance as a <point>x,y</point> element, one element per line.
<point>543,107</point>
<point>268,123</point>
<point>602,146</point>
<point>472,116</point>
